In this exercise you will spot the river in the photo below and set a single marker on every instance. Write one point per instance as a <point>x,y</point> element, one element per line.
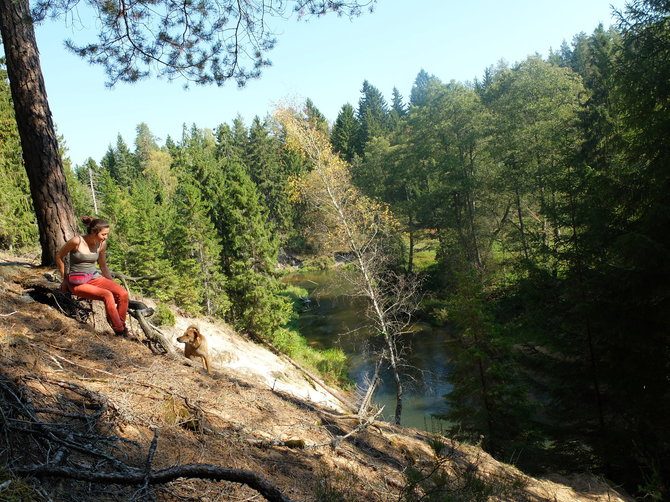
<point>334,318</point>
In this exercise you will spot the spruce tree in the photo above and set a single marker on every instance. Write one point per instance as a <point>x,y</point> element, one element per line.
<point>422,82</point>
<point>346,133</point>
<point>249,253</point>
<point>195,252</point>
<point>398,109</point>
<point>121,163</point>
<point>314,115</point>
<point>267,170</point>
<point>145,144</point>
<point>372,114</point>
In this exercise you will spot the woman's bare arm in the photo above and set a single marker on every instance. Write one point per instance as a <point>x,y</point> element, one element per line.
<point>102,261</point>
<point>70,245</point>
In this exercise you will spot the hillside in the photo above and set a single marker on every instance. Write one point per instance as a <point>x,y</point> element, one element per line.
<point>97,407</point>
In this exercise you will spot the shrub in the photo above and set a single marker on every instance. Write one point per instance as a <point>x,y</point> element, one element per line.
<point>163,316</point>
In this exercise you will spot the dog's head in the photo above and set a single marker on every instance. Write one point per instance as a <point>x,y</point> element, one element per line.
<point>191,335</point>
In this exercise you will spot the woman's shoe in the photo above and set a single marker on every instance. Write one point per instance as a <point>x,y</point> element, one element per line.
<point>123,333</point>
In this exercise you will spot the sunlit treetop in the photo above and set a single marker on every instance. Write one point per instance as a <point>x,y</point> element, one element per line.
<point>201,41</point>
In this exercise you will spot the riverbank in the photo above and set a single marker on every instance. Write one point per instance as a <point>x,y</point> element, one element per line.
<point>332,318</point>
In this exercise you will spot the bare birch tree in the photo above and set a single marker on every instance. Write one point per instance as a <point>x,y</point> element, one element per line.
<point>358,224</point>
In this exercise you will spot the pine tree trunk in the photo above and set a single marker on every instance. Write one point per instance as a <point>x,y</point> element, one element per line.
<point>48,187</point>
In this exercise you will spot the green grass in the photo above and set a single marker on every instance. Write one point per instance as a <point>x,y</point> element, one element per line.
<point>332,364</point>
<point>424,254</point>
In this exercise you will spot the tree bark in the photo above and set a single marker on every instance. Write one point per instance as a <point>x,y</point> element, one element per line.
<point>48,187</point>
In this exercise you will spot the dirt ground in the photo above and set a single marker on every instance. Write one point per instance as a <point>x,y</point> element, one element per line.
<point>76,398</point>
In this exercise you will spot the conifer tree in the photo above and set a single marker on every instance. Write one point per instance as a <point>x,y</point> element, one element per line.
<point>195,252</point>
<point>205,43</point>
<point>264,161</point>
<point>346,133</point>
<point>398,109</point>
<point>144,232</point>
<point>315,115</point>
<point>88,175</point>
<point>145,144</point>
<point>121,163</point>
<point>249,253</point>
<point>226,146</point>
<point>372,114</point>
<point>422,81</point>
<point>240,136</point>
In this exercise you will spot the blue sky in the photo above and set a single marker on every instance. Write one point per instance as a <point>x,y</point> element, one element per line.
<point>324,59</point>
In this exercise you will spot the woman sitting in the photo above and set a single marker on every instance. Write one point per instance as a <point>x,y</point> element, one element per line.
<point>85,280</point>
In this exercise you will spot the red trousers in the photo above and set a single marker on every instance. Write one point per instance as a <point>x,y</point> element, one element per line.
<point>114,296</point>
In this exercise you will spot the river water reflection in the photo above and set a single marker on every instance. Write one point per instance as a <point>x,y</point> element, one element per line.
<point>334,318</point>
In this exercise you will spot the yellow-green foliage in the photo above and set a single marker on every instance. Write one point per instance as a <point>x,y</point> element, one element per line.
<point>347,218</point>
<point>318,263</point>
<point>163,316</point>
<point>424,254</point>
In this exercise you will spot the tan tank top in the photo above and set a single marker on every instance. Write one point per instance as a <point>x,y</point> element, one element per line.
<point>84,262</point>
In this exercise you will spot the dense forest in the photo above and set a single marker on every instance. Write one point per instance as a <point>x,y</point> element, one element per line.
<point>543,186</point>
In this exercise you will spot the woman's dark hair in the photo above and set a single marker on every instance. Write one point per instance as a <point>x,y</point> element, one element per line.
<point>94,225</point>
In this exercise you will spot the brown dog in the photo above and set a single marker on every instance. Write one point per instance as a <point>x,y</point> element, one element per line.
<point>196,345</point>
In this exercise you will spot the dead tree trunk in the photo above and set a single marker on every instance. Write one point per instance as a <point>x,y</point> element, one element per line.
<point>48,187</point>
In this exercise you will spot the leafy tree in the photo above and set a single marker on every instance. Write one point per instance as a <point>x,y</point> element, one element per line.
<point>158,167</point>
<point>448,134</point>
<point>354,222</point>
<point>534,140</point>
